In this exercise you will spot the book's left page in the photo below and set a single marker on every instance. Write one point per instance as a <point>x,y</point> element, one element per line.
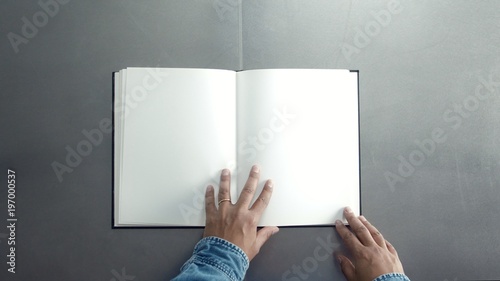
<point>174,130</point>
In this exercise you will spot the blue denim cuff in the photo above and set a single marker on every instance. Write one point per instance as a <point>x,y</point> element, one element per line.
<point>392,277</point>
<point>222,255</point>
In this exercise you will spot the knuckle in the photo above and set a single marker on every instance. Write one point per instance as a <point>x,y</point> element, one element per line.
<point>264,201</point>
<point>246,218</point>
<point>364,255</point>
<point>239,216</point>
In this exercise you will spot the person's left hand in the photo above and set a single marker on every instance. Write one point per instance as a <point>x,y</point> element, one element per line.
<point>237,223</point>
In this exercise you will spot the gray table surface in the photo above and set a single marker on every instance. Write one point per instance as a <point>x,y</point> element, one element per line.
<point>429,73</point>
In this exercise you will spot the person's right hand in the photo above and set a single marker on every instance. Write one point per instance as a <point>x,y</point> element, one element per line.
<point>372,255</point>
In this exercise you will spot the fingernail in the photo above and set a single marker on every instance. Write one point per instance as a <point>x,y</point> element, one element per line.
<point>255,169</point>
<point>362,218</point>
<point>338,222</point>
<point>270,184</point>
<point>348,210</point>
<point>225,172</point>
<point>339,258</point>
<point>210,188</point>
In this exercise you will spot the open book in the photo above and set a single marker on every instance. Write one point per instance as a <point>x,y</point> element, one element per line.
<point>176,128</point>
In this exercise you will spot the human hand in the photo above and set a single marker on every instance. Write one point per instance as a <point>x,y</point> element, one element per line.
<point>372,254</point>
<point>237,223</point>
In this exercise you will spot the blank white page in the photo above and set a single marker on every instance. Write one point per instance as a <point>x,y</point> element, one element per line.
<point>301,126</point>
<point>179,131</point>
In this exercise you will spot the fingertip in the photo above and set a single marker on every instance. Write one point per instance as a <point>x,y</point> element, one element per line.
<point>270,184</point>
<point>349,214</point>
<point>275,230</point>
<point>340,227</point>
<point>210,188</point>
<point>254,172</point>
<point>340,259</point>
<point>271,231</point>
<point>256,168</point>
<point>209,192</point>
<point>264,234</point>
<point>390,247</point>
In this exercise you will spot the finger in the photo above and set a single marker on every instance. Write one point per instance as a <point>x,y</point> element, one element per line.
<point>347,267</point>
<point>248,191</point>
<point>263,200</point>
<point>263,235</point>
<point>376,235</point>
<point>224,188</point>
<point>350,240</point>
<point>358,228</point>
<point>210,208</point>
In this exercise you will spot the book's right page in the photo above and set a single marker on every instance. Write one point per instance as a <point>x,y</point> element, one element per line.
<point>301,127</point>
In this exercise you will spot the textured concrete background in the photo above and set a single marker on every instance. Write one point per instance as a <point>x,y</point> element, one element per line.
<point>429,94</point>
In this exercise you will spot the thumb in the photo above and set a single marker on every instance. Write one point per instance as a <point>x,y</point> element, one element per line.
<point>347,268</point>
<point>264,234</point>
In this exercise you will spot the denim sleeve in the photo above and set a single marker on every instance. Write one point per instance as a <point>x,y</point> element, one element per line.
<point>215,259</point>
<point>392,277</point>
